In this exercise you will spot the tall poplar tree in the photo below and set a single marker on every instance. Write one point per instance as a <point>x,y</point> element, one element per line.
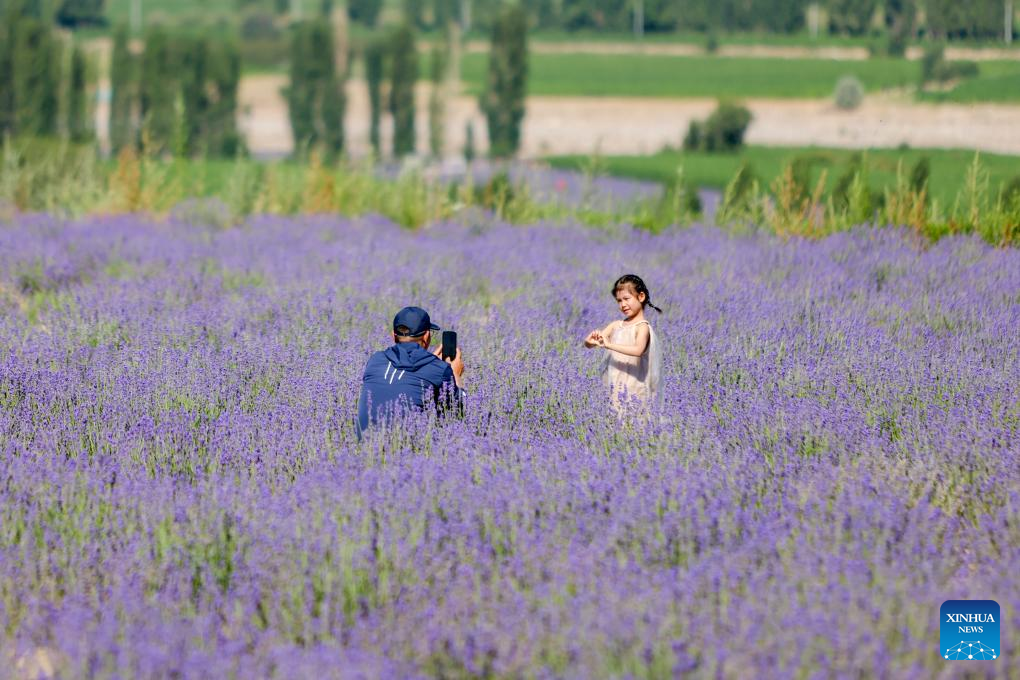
<point>315,97</point>
<point>403,76</point>
<point>375,69</point>
<point>79,122</point>
<point>36,78</point>
<point>504,100</point>
<point>7,26</point>
<point>159,87</point>
<point>124,92</point>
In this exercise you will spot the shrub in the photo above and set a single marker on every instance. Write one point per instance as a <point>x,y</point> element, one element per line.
<point>920,174</point>
<point>849,93</point>
<point>1011,193</point>
<point>935,68</point>
<point>897,44</point>
<point>725,128</point>
<point>693,139</point>
<point>932,57</point>
<point>947,71</point>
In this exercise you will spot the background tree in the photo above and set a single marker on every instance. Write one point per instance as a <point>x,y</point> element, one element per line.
<point>124,92</point>
<point>35,66</point>
<point>900,22</point>
<point>315,96</point>
<point>158,90</point>
<point>504,99</point>
<point>437,103</point>
<point>851,17</point>
<point>78,13</point>
<point>7,34</point>
<point>403,76</point>
<point>79,120</point>
<point>210,73</point>
<point>972,19</point>
<point>779,16</point>
<point>364,11</point>
<point>375,68</point>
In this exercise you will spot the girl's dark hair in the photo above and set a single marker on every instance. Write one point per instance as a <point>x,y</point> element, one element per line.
<point>634,281</point>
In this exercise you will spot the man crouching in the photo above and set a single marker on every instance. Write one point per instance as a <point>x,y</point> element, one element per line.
<point>407,376</point>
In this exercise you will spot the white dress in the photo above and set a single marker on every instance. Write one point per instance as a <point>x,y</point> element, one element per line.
<point>630,377</point>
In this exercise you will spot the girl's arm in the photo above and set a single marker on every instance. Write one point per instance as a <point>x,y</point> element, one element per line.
<point>639,347</point>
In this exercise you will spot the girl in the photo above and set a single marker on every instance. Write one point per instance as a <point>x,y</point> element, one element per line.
<point>633,367</point>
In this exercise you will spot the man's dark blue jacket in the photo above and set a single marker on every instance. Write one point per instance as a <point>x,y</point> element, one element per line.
<point>404,376</point>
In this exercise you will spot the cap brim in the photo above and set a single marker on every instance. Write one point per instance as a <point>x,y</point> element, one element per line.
<point>433,326</point>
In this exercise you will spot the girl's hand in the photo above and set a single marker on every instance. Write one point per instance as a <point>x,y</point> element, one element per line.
<point>592,340</point>
<point>600,340</point>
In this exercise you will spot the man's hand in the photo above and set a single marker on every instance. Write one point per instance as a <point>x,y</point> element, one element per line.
<point>457,363</point>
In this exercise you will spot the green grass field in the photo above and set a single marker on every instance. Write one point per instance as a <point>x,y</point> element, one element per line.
<point>998,81</point>
<point>948,167</point>
<point>667,76</point>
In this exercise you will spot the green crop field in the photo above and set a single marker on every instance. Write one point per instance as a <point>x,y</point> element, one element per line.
<point>948,167</point>
<point>802,39</point>
<point>706,76</point>
<point>998,81</point>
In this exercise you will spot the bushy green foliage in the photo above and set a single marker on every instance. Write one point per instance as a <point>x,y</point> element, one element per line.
<point>77,13</point>
<point>935,67</point>
<point>437,103</point>
<point>210,75</point>
<point>315,97</point>
<point>79,120</point>
<point>851,17</point>
<point>364,11</point>
<point>972,19</point>
<point>187,92</point>
<point>36,78</point>
<point>403,60</point>
<point>504,100</point>
<point>469,142</point>
<point>723,131</point>
<point>124,92</point>
<point>375,69</point>
<point>849,93</point>
<point>159,86</point>
<point>259,25</point>
<point>920,175</point>
<point>900,20</point>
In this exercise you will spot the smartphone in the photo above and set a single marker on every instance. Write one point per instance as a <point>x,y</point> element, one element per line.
<point>449,344</point>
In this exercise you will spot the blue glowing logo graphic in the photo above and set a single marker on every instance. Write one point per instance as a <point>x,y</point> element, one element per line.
<point>969,630</point>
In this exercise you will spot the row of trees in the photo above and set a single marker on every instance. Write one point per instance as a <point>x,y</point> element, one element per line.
<point>179,94</point>
<point>939,18</point>
<point>43,79</point>
<point>391,65</point>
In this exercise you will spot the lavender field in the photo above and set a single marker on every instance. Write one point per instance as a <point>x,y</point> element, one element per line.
<point>182,493</point>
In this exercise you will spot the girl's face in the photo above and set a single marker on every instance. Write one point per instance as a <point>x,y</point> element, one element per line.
<point>630,303</point>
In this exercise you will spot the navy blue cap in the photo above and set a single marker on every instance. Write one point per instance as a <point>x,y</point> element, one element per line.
<point>415,319</point>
